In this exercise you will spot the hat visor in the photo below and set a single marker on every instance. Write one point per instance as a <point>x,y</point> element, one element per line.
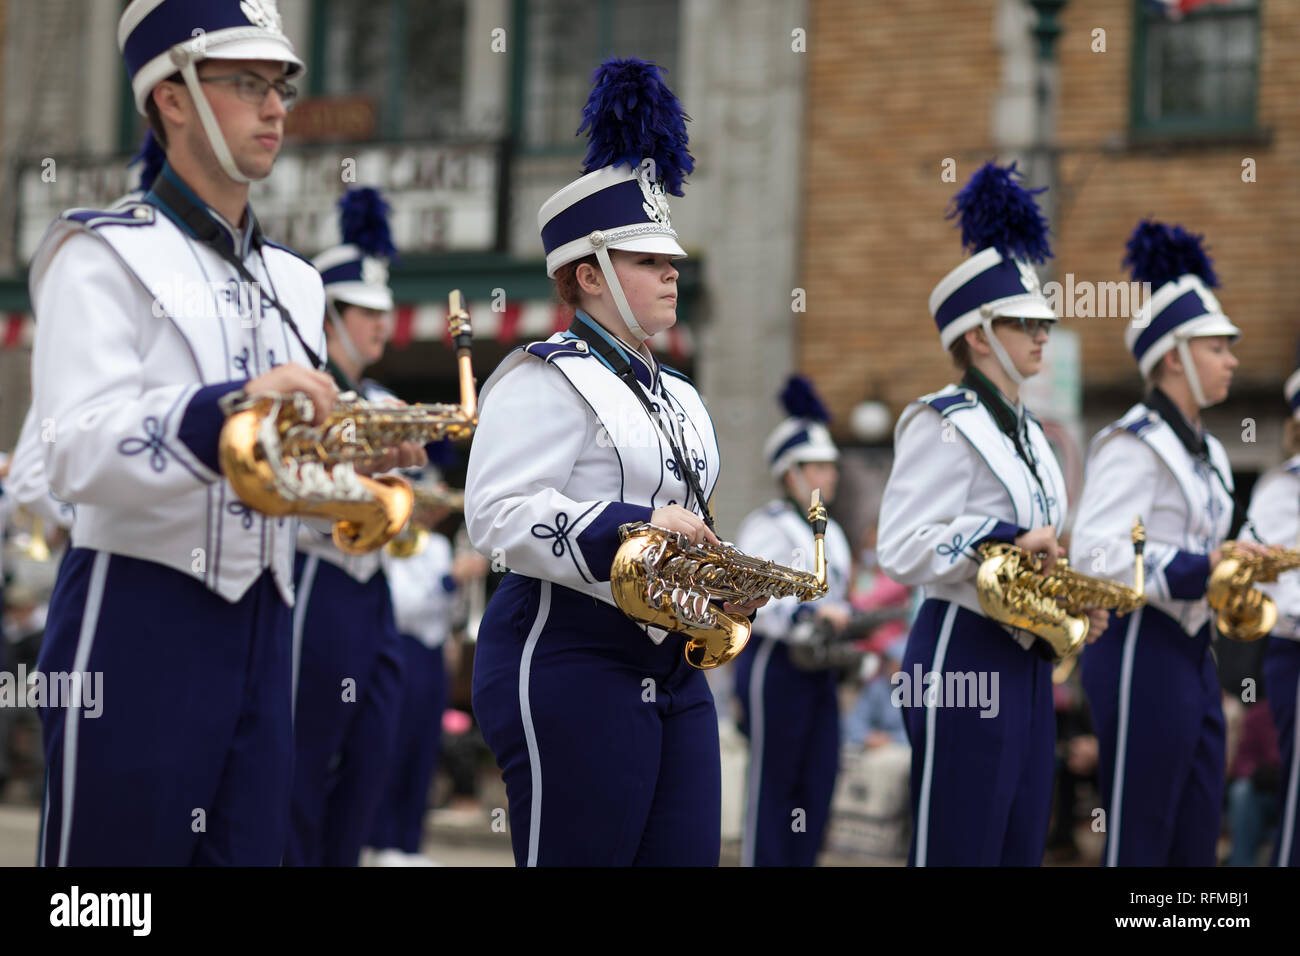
<point>1026,307</point>
<point>1208,325</point>
<point>665,245</point>
<point>258,49</point>
<point>358,293</point>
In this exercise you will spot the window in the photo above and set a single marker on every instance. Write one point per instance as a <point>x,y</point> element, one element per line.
<point>1198,74</point>
<point>406,55</point>
<point>564,40</point>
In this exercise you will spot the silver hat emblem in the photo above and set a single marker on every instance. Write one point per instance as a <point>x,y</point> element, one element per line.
<point>656,202</point>
<point>1029,278</point>
<point>374,272</point>
<point>262,13</point>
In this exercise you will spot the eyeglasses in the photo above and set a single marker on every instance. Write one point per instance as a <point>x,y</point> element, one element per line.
<point>252,88</point>
<point>1030,327</point>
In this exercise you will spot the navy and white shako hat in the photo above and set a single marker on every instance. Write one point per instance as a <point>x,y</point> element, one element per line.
<point>356,272</point>
<point>1292,392</point>
<point>1181,306</point>
<point>1003,227</point>
<point>161,37</point>
<point>637,155</point>
<point>803,436</point>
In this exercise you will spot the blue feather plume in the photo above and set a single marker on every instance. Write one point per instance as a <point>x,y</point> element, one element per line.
<point>1158,253</point>
<point>997,211</point>
<point>363,220</point>
<point>632,114</point>
<point>153,158</point>
<point>800,400</point>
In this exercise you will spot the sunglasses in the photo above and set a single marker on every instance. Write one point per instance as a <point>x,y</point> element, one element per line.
<point>1031,327</point>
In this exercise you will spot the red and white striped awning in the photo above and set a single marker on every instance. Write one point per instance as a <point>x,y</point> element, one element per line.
<point>427,322</point>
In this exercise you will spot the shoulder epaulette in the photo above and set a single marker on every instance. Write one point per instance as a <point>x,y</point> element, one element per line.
<point>132,214</point>
<point>946,404</point>
<point>548,351</point>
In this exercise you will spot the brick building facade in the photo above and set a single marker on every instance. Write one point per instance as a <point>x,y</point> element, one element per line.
<point>895,89</point>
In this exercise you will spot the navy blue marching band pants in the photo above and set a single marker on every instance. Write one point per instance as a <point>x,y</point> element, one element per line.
<point>1282,685</point>
<point>400,820</point>
<point>981,785</point>
<point>1158,713</point>
<point>791,718</point>
<point>608,743</point>
<point>347,695</point>
<point>189,759</point>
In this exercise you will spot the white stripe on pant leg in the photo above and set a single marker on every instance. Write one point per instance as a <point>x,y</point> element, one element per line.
<point>302,597</point>
<point>757,677</point>
<point>89,624</point>
<point>530,732</point>
<point>1121,739</point>
<point>45,819</point>
<point>931,718</point>
<point>1292,789</point>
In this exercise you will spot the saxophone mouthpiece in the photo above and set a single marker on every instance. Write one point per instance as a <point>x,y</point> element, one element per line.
<point>458,322</point>
<point>817,513</point>
<point>1139,567</point>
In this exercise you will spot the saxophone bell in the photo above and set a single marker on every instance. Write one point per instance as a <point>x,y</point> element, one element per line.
<point>1243,612</point>
<point>659,578</point>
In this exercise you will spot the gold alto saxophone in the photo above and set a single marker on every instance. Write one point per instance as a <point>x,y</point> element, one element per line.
<point>281,464</point>
<point>660,578</point>
<point>1246,613</point>
<point>413,538</point>
<point>1013,590</point>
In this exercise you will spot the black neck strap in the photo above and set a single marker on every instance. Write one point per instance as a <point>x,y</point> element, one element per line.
<point>1196,445</point>
<point>1003,416</point>
<point>623,369</point>
<point>210,234</point>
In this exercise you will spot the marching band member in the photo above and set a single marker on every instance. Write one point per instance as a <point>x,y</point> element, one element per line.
<point>346,649</point>
<point>424,586</point>
<point>1275,514</point>
<point>1150,679</point>
<point>139,333</point>
<point>607,738</point>
<point>791,714</point>
<point>972,465</point>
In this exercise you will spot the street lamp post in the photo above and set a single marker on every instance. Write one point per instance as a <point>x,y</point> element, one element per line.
<point>1043,169</point>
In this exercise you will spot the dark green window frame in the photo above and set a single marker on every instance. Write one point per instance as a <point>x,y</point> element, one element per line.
<point>604,14</point>
<point>1144,127</point>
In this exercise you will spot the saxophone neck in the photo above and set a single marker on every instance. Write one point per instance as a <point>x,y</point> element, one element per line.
<point>817,518</point>
<point>1139,568</point>
<point>462,338</point>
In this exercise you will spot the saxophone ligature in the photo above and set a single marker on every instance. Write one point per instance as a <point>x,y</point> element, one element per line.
<point>1245,613</point>
<point>659,578</point>
<point>1013,590</point>
<point>281,464</point>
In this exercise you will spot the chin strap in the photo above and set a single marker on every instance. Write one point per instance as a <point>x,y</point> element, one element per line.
<point>1189,368</point>
<point>184,61</point>
<point>624,311</point>
<point>345,340</point>
<point>1000,352</point>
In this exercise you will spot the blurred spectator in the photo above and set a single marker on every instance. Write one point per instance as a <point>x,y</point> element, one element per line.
<point>1076,760</point>
<point>1253,779</point>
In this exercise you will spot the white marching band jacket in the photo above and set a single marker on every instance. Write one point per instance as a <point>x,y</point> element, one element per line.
<point>780,532</point>
<point>26,481</point>
<point>1275,515</point>
<point>1137,467</point>
<point>956,482</point>
<point>565,453</point>
<point>423,591</point>
<point>139,330</point>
